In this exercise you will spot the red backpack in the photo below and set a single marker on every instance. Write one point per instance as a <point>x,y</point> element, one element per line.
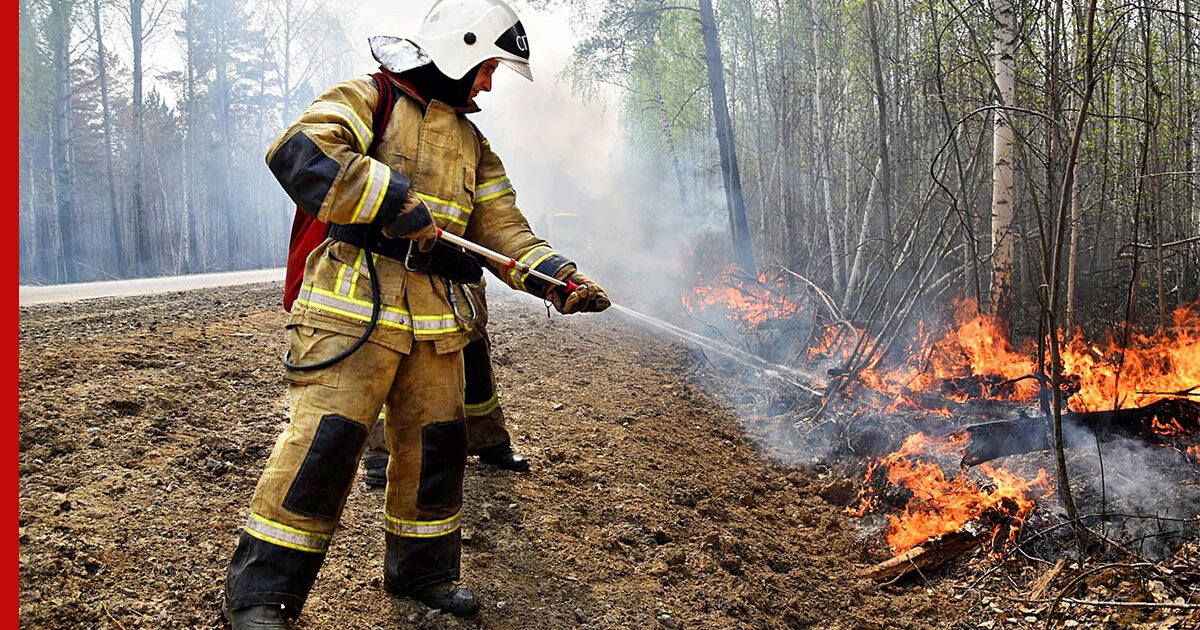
<point>307,232</point>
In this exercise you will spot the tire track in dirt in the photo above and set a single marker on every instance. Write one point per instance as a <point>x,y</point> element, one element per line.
<point>145,422</point>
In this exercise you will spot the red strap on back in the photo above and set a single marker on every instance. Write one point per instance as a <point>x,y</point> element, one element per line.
<point>307,232</point>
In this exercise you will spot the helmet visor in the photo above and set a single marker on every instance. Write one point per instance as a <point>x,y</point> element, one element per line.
<point>521,67</point>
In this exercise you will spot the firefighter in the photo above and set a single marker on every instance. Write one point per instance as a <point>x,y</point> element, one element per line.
<point>487,435</point>
<point>431,168</point>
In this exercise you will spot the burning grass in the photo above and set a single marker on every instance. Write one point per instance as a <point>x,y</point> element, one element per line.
<point>942,374</point>
<point>744,301</point>
<point>974,359</point>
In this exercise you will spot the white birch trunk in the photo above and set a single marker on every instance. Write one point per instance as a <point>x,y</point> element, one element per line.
<point>1002,152</point>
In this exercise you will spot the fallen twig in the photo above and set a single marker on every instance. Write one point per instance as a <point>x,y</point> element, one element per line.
<point>1090,602</point>
<point>111,618</point>
<point>1062,594</point>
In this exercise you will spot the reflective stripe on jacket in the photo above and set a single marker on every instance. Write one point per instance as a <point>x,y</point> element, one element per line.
<point>320,161</point>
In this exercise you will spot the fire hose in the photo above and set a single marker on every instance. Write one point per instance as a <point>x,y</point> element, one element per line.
<point>792,376</point>
<point>506,263</point>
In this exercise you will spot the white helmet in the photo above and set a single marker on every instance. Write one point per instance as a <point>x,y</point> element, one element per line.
<point>457,35</point>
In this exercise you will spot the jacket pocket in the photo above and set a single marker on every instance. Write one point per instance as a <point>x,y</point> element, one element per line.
<point>469,185</point>
<point>351,276</point>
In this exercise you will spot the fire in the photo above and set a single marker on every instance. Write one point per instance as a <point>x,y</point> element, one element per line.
<point>978,346</point>
<point>835,343</point>
<point>747,302</point>
<point>1169,427</point>
<point>942,505</point>
<point>974,359</point>
<point>1154,365</point>
<point>975,349</point>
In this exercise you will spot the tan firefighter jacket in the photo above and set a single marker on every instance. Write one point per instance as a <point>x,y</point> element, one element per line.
<point>321,162</point>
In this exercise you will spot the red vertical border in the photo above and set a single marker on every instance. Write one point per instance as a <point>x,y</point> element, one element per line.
<point>13,177</point>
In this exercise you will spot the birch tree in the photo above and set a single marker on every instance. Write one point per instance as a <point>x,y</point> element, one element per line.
<point>1002,154</point>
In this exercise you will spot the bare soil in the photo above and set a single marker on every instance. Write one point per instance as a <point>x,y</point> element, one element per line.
<point>145,422</point>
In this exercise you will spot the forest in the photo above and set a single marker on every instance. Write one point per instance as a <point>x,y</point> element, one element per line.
<point>119,179</point>
<point>986,150</point>
<point>890,243</point>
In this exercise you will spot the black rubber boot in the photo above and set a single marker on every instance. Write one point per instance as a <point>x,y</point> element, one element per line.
<point>448,597</point>
<point>260,617</point>
<point>504,458</point>
<point>375,472</point>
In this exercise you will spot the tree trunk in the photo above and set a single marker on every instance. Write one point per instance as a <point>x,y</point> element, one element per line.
<point>858,268</point>
<point>224,102</point>
<point>743,253</point>
<point>1192,124</point>
<point>664,119</point>
<point>189,248</point>
<point>146,259</point>
<point>885,172</point>
<point>825,192</point>
<point>114,210</point>
<point>783,130</point>
<point>287,61</point>
<point>760,143</point>
<point>1002,151</point>
<point>58,31</point>
<point>1053,272</point>
<point>1073,254</point>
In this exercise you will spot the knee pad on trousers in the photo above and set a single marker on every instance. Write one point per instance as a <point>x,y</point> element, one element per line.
<point>443,457</point>
<point>477,367</point>
<point>328,469</point>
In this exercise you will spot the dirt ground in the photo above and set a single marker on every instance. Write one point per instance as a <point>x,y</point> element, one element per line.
<point>144,423</point>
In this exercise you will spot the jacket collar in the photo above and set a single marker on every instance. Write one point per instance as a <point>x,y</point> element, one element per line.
<point>406,86</point>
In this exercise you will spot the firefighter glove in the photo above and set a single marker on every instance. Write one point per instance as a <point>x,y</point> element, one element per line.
<point>588,298</point>
<point>413,221</point>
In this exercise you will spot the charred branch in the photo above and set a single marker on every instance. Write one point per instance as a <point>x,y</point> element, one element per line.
<point>930,555</point>
<point>1163,422</point>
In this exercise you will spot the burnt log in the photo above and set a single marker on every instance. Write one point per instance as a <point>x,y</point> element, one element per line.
<point>979,386</point>
<point>1165,422</point>
<point>926,556</point>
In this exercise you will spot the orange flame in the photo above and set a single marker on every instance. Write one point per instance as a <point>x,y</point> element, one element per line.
<point>1154,365</point>
<point>941,505</point>
<point>746,302</point>
<point>977,348</point>
<point>975,359</point>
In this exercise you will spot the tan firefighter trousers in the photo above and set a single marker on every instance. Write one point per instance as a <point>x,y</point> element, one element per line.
<point>303,490</point>
<point>486,429</point>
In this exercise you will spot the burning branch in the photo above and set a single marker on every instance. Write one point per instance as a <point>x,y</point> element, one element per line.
<point>928,555</point>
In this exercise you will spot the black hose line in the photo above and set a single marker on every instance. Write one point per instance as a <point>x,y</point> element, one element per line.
<point>376,306</point>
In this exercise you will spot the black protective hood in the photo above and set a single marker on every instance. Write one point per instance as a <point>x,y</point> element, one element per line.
<point>431,85</point>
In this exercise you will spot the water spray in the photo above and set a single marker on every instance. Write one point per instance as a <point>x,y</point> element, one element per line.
<point>796,378</point>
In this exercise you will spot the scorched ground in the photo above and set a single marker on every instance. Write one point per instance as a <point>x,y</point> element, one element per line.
<point>144,422</point>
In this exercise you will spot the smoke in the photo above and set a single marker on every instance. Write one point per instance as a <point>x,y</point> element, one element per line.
<point>1151,492</point>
